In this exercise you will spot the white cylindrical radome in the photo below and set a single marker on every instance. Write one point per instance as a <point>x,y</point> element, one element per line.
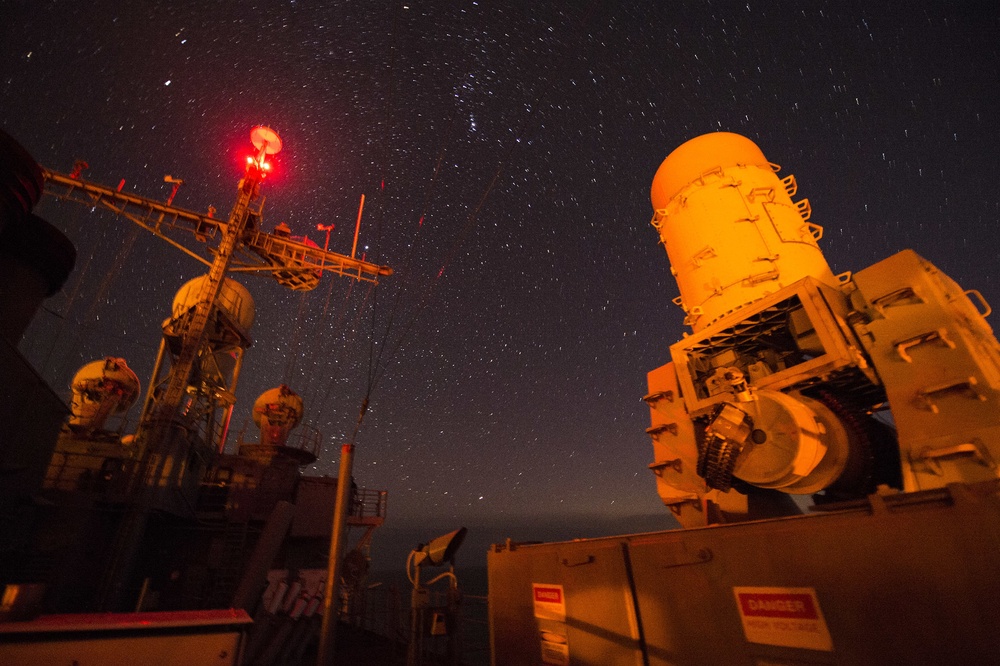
<point>730,228</point>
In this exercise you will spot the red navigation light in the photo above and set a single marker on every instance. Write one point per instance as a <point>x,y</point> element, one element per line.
<point>265,144</point>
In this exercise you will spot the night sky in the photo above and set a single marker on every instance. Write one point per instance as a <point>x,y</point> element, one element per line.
<point>506,151</point>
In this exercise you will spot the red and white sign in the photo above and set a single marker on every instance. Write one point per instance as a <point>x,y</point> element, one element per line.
<point>549,601</point>
<point>785,616</point>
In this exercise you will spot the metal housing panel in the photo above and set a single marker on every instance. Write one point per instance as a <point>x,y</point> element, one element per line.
<point>907,578</point>
<point>600,619</point>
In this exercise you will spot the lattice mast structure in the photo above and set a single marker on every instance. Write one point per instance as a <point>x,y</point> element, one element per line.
<point>180,429</point>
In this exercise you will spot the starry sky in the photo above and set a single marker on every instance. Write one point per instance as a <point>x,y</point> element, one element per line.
<point>506,151</point>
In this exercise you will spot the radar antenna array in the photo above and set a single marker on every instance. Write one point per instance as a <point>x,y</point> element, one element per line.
<point>173,455</point>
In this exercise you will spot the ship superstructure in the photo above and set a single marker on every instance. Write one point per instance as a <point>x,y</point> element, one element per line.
<point>174,515</point>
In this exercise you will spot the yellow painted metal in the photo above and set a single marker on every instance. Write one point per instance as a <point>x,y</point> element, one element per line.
<point>940,364</point>
<point>821,354</point>
<point>730,228</point>
<point>820,312</point>
<point>675,458</point>
<point>598,622</point>
<point>899,579</point>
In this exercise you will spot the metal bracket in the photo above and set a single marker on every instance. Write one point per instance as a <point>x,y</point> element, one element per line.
<point>767,193</point>
<point>707,252</point>
<point>791,185</point>
<point>653,431</point>
<point>966,387</point>
<point>657,396</point>
<point>987,310</point>
<point>974,450</point>
<point>661,466</point>
<point>940,335</point>
<point>804,208</point>
<point>904,296</point>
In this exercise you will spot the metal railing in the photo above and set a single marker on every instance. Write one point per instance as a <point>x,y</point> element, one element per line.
<point>367,503</point>
<point>385,610</point>
<point>304,438</point>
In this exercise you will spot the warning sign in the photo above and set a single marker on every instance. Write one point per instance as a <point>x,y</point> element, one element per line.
<point>550,602</point>
<point>785,616</point>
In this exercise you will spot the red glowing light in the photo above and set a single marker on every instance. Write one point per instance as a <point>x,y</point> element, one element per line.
<point>257,161</point>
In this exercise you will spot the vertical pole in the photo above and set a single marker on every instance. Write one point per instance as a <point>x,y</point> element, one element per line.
<point>331,598</point>
<point>326,246</point>
<point>419,598</point>
<point>227,419</point>
<point>454,619</point>
<point>173,192</point>
<point>357,228</point>
<point>154,380</point>
<point>142,595</point>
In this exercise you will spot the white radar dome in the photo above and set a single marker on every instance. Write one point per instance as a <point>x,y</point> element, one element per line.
<point>101,389</point>
<point>276,412</point>
<point>234,299</point>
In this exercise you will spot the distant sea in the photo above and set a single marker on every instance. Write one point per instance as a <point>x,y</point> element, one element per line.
<point>471,580</point>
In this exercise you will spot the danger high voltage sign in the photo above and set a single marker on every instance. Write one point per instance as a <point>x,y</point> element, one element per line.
<point>785,616</point>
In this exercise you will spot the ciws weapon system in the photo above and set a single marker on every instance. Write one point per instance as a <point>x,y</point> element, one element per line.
<point>797,381</point>
<point>874,397</point>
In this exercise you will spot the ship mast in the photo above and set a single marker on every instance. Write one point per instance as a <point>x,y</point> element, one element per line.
<point>172,452</point>
<point>165,407</point>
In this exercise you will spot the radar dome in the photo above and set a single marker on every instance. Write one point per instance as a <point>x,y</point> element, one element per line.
<point>234,299</point>
<point>276,412</point>
<point>101,389</point>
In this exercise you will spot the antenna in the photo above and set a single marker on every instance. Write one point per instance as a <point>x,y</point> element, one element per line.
<point>177,431</point>
<point>265,139</point>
